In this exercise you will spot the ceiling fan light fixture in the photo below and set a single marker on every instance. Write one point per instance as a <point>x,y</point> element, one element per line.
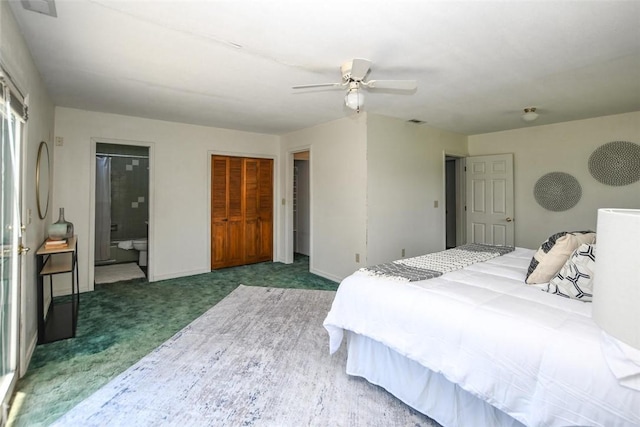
<point>354,99</point>
<point>529,114</point>
<point>354,75</point>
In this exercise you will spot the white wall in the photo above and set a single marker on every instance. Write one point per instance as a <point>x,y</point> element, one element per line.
<point>338,194</point>
<point>179,228</point>
<point>405,176</point>
<point>17,61</point>
<point>564,147</point>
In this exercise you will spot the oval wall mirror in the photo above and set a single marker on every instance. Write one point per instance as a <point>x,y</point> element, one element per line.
<point>42,180</point>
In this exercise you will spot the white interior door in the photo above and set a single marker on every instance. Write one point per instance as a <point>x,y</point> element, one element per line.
<point>489,183</point>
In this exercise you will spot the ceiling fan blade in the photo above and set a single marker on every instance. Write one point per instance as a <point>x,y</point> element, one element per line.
<point>318,85</point>
<point>391,84</point>
<point>359,68</point>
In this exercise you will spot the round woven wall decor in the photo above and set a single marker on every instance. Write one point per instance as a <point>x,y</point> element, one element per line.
<point>557,191</point>
<point>616,163</point>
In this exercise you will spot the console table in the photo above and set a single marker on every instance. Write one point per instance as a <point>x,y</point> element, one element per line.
<point>61,318</point>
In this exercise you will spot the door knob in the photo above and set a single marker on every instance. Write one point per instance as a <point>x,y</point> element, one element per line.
<point>23,249</point>
<point>509,219</point>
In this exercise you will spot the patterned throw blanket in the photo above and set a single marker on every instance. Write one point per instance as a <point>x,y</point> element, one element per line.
<point>436,264</point>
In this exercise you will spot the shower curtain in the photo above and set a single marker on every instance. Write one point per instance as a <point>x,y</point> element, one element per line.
<point>103,208</point>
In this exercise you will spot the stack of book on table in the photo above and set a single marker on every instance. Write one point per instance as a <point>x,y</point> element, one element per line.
<point>55,244</point>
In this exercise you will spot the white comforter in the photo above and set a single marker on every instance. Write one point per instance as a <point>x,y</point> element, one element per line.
<point>534,355</point>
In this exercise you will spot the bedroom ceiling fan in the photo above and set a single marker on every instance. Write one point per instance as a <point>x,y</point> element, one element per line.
<point>354,73</point>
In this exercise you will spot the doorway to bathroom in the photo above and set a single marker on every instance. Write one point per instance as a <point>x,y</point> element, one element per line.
<point>301,205</point>
<point>299,215</point>
<point>121,212</point>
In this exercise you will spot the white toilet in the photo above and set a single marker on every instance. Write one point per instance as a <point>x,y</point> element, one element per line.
<point>141,246</point>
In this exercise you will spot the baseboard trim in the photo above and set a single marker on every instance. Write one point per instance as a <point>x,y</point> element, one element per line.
<point>24,361</point>
<point>158,277</point>
<point>325,275</point>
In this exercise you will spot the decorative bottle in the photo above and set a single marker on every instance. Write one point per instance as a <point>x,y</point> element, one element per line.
<point>61,229</point>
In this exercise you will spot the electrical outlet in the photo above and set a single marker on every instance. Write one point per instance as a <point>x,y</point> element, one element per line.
<point>435,203</point>
<point>403,253</point>
<point>59,140</point>
<point>357,257</point>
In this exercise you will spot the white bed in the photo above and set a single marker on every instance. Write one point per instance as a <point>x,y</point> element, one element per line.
<point>478,346</point>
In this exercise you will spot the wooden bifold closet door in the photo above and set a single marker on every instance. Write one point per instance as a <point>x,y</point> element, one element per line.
<point>241,211</point>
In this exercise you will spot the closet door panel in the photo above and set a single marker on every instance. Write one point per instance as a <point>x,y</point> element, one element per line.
<point>234,251</point>
<point>251,188</point>
<point>265,210</point>
<point>235,198</point>
<point>241,211</point>
<point>218,188</point>
<point>218,243</point>
<point>251,243</point>
<point>219,202</point>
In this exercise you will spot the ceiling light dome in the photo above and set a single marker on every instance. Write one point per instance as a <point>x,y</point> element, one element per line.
<point>529,114</point>
<point>354,99</point>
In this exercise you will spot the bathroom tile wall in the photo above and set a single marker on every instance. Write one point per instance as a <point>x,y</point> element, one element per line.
<point>129,198</point>
<point>129,190</point>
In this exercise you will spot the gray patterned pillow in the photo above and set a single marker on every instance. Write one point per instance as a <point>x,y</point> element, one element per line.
<point>575,278</point>
<point>554,253</point>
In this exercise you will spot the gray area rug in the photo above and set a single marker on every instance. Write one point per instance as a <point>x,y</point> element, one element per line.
<point>259,357</point>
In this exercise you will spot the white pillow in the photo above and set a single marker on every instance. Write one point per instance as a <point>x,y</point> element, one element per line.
<point>575,278</point>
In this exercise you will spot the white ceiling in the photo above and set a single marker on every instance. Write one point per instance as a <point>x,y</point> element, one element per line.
<point>231,64</point>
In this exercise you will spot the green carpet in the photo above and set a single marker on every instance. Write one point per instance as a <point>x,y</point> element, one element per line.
<point>121,322</point>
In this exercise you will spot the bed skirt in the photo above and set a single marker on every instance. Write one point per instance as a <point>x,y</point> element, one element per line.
<point>422,389</point>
